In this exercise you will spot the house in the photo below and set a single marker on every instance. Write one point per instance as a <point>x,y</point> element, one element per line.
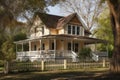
<point>55,37</point>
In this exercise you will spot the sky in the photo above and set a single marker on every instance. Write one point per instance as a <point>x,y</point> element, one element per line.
<point>55,10</point>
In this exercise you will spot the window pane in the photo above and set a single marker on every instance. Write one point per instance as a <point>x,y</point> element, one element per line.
<point>35,47</point>
<point>69,29</point>
<point>43,46</point>
<point>52,46</point>
<point>73,30</point>
<point>78,30</point>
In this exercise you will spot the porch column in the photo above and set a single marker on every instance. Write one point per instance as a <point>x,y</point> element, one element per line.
<point>22,47</point>
<point>54,47</point>
<point>71,45</point>
<point>29,45</point>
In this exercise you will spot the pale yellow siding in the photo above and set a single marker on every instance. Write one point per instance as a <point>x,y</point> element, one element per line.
<point>53,31</point>
<point>46,31</point>
<point>61,31</point>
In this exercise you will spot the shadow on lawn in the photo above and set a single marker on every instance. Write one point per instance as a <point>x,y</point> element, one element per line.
<point>65,75</point>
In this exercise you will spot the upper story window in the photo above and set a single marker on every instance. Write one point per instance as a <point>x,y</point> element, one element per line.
<point>42,30</point>
<point>78,30</point>
<point>69,29</point>
<point>74,30</point>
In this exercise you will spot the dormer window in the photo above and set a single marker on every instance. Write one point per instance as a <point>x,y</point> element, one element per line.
<point>74,29</point>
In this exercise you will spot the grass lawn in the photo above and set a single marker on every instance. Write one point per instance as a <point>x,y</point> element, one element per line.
<point>94,74</point>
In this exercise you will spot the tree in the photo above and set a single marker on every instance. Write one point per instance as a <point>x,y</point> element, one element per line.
<point>89,10</point>
<point>8,50</point>
<point>114,6</point>
<point>105,33</point>
<point>10,12</point>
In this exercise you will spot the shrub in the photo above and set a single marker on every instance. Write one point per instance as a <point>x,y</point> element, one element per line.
<point>84,53</point>
<point>1,63</point>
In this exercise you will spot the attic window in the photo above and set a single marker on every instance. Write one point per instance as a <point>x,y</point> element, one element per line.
<point>35,30</point>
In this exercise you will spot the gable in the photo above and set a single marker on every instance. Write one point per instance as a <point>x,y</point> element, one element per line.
<point>75,20</point>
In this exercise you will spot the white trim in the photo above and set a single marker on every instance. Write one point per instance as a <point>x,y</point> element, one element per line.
<point>54,47</point>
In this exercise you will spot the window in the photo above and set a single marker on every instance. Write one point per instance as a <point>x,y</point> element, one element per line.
<point>43,46</point>
<point>78,30</point>
<point>73,30</point>
<point>69,46</point>
<point>69,29</point>
<point>42,30</point>
<point>35,47</point>
<point>52,47</point>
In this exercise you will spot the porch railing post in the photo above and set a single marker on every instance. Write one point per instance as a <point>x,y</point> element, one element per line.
<point>54,48</point>
<point>42,65</point>
<point>104,62</point>
<point>65,64</point>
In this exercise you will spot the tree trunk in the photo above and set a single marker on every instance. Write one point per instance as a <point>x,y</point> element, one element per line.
<point>114,6</point>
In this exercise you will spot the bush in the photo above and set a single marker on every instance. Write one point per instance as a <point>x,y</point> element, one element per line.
<point>84,53</point>
<point>1,63</point>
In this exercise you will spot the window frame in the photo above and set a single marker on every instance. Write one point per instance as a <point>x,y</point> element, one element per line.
<point>73,30</point>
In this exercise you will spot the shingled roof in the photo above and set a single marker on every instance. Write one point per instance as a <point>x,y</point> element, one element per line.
<point>56,22</point>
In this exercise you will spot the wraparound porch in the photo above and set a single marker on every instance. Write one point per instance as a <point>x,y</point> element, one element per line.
<point>53,46</point>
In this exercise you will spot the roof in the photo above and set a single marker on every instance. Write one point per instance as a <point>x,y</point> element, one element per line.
<point>56,22</point>
<point>49,20</point>
<point>87,40</point>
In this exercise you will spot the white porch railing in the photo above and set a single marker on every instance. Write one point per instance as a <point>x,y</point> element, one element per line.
<point>46,54</point>
<point>98,55</point>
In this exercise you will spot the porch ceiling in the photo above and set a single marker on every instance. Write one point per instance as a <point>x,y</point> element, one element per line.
<point>87,40</point>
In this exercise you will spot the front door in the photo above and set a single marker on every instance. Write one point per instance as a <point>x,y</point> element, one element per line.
<point>74,47</point>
